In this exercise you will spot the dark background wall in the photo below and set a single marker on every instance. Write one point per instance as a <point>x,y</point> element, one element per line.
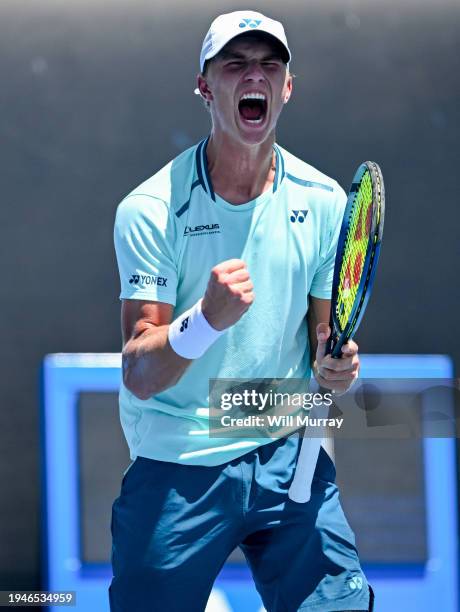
<point>95,97</point>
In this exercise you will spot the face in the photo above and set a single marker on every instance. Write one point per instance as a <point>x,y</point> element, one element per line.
<point>247,85</point>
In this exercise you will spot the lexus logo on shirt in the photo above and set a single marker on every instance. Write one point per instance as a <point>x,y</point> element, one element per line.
<point>201,230</point>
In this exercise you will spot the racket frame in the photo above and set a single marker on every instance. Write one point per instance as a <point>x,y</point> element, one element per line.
<point>339,338</point>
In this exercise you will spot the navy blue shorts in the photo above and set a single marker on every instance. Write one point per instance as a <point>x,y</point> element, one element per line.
<point>174,526</point>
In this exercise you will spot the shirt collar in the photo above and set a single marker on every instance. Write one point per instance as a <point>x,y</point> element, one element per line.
<point>202,172</point>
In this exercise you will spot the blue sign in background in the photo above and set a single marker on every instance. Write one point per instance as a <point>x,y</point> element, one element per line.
<point>399,587</point>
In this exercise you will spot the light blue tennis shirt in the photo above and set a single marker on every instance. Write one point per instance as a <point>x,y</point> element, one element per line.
<point>169,233</point>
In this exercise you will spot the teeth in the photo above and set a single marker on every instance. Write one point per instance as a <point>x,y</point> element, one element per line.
<point>253,96</point>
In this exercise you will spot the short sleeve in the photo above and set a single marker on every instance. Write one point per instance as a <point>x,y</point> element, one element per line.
<point>321,286</point>
<point>144,237</point>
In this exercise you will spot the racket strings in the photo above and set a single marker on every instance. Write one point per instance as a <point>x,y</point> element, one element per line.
<point>356,246</point>
<point>363,293</point>
<point>374,249</point>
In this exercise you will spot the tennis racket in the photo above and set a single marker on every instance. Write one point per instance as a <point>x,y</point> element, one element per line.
<point>354,271</point>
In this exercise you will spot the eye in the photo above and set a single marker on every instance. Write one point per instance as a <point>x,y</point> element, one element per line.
<point>271,65</point>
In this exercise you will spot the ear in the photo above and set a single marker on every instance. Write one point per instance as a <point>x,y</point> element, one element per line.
<point>288,89</point>
<point>203,88</point>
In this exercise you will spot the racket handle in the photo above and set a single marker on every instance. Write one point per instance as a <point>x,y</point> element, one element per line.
<point>300,489</point>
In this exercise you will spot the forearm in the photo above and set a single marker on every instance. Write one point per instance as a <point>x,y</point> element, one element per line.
<point>157,351</point>
<point>149,363</point>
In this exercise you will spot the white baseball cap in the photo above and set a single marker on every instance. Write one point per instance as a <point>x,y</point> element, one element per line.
<point>225,27</point>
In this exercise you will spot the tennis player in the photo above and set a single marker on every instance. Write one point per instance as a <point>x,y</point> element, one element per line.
<point>226,258</point>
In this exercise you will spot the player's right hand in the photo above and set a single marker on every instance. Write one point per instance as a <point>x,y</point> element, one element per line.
<point>228,295</point>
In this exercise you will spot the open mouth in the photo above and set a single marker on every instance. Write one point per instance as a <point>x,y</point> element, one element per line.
<point>253,107</point>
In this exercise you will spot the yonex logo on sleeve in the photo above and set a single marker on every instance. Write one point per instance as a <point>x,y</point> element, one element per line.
<point>252,23</point>
<point>184,324</point>
<point>147,279</point>
<point>298,215</point>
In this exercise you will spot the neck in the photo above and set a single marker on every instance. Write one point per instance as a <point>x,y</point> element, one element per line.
<point>240,173</point>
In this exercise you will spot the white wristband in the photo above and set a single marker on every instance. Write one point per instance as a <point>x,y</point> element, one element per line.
<point>190,335</point>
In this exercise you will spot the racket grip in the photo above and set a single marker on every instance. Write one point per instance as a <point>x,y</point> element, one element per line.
<point>300,489</point>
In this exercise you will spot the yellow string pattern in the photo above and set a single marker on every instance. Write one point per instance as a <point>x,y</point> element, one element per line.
<point>356,244</point>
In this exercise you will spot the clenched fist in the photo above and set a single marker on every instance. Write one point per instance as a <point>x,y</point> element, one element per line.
<point>228,295</point>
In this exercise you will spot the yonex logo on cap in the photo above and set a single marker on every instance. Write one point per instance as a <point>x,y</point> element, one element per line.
<point>184,324</point>
<point>298,215</point>
<point>252,23</point>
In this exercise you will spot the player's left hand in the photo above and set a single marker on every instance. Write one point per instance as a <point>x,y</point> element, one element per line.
<point>335,374</point>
